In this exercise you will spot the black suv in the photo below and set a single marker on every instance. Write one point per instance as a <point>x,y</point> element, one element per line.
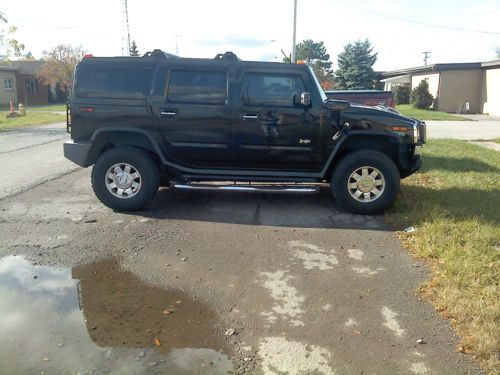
<point>161,120</point>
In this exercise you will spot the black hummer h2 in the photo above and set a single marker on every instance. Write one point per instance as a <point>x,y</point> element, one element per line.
<point>187,123</point>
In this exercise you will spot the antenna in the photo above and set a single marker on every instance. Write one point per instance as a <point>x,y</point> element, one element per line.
<point>126,30</point>
<point>426,56</point>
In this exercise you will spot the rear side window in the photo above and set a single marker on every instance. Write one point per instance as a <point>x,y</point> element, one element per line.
<point>197,87</point>
<point>113,83</point>
<point>273,90</point>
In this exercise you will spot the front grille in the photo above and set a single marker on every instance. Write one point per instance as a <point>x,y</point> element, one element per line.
<point>422,132</point>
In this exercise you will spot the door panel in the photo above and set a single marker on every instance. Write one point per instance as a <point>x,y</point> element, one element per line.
<point>272,132</point>
<point>192,114</point>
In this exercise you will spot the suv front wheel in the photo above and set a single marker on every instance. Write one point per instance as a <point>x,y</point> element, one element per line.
<point>125,179</point>
<point>365,182</point>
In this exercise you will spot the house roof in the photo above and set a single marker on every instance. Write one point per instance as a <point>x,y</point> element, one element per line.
<point>432,68</point>
<point>27,67</point>
<point>401,78</point>
<point>7,68</point>
<point>491,64</point>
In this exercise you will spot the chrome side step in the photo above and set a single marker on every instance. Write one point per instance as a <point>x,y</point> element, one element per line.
<point>251,188</point>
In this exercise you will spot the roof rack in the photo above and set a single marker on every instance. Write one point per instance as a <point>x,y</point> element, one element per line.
<point>227,56</point>
<point>158,53</point>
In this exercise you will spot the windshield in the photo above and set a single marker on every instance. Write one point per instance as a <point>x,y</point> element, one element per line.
<point>321,92</point>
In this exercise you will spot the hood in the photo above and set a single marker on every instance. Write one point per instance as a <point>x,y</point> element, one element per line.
<point>383,114</point>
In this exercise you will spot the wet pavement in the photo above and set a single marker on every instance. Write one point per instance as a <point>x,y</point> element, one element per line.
<point>98,319</point>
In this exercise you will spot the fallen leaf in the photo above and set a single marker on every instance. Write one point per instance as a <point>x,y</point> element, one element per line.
<point>157,341</point>
<point>168,311</point>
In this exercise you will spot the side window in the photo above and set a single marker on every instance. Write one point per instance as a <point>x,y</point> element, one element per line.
<point>113,83</point>
<point>7,84</point>
<point>197,87</point>
<point>276,90</point>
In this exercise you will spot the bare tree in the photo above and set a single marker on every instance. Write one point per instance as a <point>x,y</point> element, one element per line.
<point>9,45</point>
<point>59,65</point>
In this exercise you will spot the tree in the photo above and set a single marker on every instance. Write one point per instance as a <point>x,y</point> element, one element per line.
<point>9,45</point>
<point>133,49</point>
<point>315,55</point>
<point>401,94</point>
<point>420,96</point>
<point>355,66</point>
<point>59,65</point>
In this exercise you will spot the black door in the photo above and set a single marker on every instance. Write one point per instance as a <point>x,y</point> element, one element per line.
<point>272,130</point>
<point>192,114</point>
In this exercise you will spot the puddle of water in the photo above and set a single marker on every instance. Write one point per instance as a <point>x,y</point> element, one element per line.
<point>97,319</point>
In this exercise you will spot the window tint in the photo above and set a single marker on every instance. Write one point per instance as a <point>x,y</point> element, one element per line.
<point>261,89</point>
<point>113,83</point>
<point>197,87</point>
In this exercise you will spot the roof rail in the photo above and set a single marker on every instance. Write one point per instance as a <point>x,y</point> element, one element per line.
<point>227,56</point>
<point>159,53</point>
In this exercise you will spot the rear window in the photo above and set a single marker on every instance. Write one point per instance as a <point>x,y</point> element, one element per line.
<point>197,87</point>
<point>113,83</point>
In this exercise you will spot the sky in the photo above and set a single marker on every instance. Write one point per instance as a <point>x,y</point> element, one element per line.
<point>259,29</point>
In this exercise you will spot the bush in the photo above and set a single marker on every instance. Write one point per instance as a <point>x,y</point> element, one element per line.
<point>401,94</point>
<point>421,97</point>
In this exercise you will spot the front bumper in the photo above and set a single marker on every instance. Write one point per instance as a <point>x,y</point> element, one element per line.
<point>415,165</point>
<point>77,152</point>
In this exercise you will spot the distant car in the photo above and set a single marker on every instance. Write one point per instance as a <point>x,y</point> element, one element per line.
<point>372,98</point>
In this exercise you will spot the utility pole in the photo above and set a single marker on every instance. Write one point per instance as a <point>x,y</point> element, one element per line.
<point>426,56</point>
<point>126,30</point>
<point>177,44</point>
<point>294,55</point>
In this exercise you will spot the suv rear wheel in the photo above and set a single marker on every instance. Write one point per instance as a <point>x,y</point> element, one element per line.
<point>125,179</point>
<point>365,182</point>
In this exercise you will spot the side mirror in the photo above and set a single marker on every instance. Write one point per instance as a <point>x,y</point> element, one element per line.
<point>305,99</point>
<point>338,105</point>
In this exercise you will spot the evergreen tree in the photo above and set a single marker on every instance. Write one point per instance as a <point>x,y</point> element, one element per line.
<point>421,97</point>
<point>315,55</point>
<point>133,49</point>
<point>355,66</point>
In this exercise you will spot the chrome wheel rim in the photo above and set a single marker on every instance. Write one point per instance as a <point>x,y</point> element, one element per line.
<point>123,181</point>
<point>366,184</point>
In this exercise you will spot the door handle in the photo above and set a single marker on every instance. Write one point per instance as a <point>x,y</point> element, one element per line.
<point>250,117</point>
<point>167,113</point>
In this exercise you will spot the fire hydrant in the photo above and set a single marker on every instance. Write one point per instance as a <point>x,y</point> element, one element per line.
<point>22,109</point>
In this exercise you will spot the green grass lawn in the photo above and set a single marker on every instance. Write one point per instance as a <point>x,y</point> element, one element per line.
<point>51,107</point>
<point>33,118</point>
<point>427,114</point>
<point>454,204</point>
<point>57,107</point>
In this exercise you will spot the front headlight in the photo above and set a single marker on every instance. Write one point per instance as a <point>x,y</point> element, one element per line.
<point>416,133</point>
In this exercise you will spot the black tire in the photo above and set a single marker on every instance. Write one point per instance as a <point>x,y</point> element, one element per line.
<point>148,179</point>
<point>342,182</point>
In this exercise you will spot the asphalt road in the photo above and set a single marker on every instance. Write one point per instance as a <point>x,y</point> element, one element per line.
<point>287,284</point>
<point>32,156</point>
<point>480,129</point>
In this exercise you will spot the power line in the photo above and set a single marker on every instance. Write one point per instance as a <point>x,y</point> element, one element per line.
<point>417,21</point>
